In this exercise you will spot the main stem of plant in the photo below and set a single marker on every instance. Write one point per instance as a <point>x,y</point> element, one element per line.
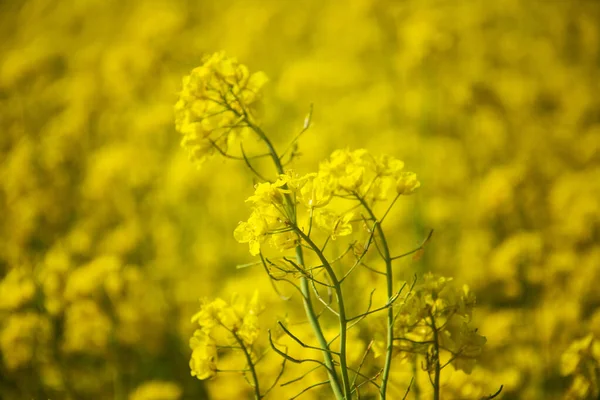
<point>390,292</point>
<point>304,286</point>
<point>436,359</point>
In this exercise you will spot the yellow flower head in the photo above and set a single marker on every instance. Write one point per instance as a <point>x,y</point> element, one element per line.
<point>203,363</point>
<point>371,177</point>
<point>334,224</point>
<point>270,193</point>
<point>316,191</point>
<point>216,103</point>
<point>407,183</point>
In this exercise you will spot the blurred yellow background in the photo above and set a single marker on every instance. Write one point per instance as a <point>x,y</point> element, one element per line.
<point>109,235</point>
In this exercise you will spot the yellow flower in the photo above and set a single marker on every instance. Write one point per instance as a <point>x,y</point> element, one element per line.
<point>284,241</point>
<point>469,346</point>
<point>334,224</point>
<point>253,231</point>
<point>22,336</point>
<point>386,165</point>
<point>407,183</point>
<point>345,168</point>
<point>585,350</point>
<point>270,193</point>
<point>264,219</point>
<point>238,317</point>
<point>17,288</point>
<point>203,363</point>
<point>87,328</point>
<point>216,103</point>
<point>249,329</point>
<point>371,177</point>
<point>316,192</point>
<point>207,317</point>
<point>156,390</point>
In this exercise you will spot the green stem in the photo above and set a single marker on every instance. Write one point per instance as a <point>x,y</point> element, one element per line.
<point>416,387</point>
<point>264,138</point>
<point>436,359</point>
<point>316,327</point>
<point>256,386</point>
<point>341,309</point>
<point>304,287</point>
<point>390,292</point>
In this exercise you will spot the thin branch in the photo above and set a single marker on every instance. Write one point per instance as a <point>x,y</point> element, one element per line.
<point>309,388</point>
<point>368,307</point>
<point>388,210</point>
<point>421,247</point>
<point>408,388</point>
<point>290,358</point>
<point>301,343</point>
<point>310,221</point>
<point>362,361</point>
<point>326,304</point>
<point>305,127</point>
<point>424,342</point>
<point>379,250</point>
<point>325,244</point>
<point>492,396</point>
<point>249,165</point>
<point>303,272</point>
<point>301,376</point>
<point>371,380</point>
<point>255,386</point>
<point>276,279</point>
<point>359,259</point>
<point>372,269</point>
<point>281,371</point>
<point>367,379</point>
<point>387,305</point>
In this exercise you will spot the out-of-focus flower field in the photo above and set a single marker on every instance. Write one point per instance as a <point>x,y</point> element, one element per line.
<point>109,235</point>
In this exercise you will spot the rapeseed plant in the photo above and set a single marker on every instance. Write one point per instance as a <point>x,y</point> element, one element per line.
<point>338,199</point>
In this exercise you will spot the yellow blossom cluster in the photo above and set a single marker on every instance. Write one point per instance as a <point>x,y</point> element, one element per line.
<point>582,361</point>
<point>436,310</point>
<point>156,390</point>
<point>218,100</point>
<point>353,175</point>
<point>24,336</point>
<point>238,319</point>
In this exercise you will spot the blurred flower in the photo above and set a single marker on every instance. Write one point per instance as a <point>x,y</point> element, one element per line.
<point>221,323</point>
<point>156,390</point>
<point>23,336</point>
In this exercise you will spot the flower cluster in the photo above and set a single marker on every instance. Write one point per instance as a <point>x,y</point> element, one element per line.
<point>23,337</point>
<point>156,390</point>
<point>348,175</point>
<point>437,313</point>
<point>18,289</point>
<point>217,102</point>
<point>233,324</point>
<point>361,173</point>
<point>582,360</point>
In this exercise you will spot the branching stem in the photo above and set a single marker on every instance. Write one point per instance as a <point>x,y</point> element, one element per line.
<point>385,253</point>
<point>255,386</point>
<point>304,286</point>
